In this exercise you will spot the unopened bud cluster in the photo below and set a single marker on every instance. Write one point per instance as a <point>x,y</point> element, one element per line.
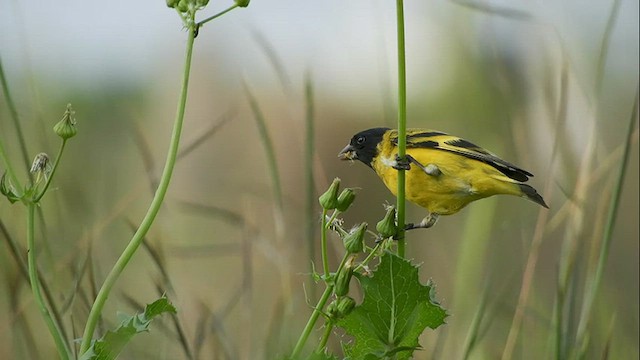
<point>184,5</point>
<point>333,200</point>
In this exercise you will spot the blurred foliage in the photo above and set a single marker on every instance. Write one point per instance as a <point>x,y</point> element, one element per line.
<point>219,260</point>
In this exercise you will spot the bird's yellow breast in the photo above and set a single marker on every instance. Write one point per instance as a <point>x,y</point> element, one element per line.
<point>461,180</point>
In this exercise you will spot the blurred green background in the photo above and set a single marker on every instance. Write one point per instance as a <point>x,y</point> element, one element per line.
<point>543,84</point>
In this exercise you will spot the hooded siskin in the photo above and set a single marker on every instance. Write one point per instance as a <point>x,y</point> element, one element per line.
<point>445,172</point>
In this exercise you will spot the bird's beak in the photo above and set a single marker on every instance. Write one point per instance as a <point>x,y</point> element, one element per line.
<point>348,153</point>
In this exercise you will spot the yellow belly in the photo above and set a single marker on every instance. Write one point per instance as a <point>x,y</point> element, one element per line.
<point>462,180</point>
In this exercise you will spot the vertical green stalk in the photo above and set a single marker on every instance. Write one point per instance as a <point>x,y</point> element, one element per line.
<point>323,244</point>
<point>309,183</point>
<point>61,345</point>
<point>402,124</point>
<point>136,240</point>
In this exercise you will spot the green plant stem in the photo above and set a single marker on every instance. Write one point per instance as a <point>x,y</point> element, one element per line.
<point>217,15</point>
<point>316,313</point>
<point>402,124</point>
<point>53,172</point>
<point>63,349</point>
<point>312,321</point>
<point>323,244</point>
<point>163,185</point>
<point>325,336</point>
<point>369,257</point>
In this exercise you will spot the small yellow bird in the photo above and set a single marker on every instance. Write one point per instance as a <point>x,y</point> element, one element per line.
<point>448,172</point>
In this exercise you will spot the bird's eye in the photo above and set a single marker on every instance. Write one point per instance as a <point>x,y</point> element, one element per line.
<point>360,140</point>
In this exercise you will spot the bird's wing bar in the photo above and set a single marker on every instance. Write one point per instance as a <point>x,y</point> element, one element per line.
<point>456,145</point>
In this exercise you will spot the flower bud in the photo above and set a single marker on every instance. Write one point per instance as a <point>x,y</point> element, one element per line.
<point>172,3</point>
<point>341,307</point>
<point>202,3</point>
<point>183,6</point>
<point>354,241</point>
<point>345,199</point>
<point>342,281</point>
<point>242,3</point>
<point>66,128</point>
<point>387,226</point>
<point>329,200</point>
<point>345,306</point>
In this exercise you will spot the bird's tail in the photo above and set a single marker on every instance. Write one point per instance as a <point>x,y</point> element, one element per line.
<point>531,194</point>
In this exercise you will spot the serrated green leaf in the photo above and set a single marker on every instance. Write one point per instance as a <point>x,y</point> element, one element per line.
<point>396,309</point>
<point>111,344</point>
<point>321,355</point>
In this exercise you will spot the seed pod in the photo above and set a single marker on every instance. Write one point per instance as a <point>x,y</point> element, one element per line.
<point>387,226</point>
<point>345,199</point>
<point>354,241</point>
<point>329,200</point>
<point>242,3</point>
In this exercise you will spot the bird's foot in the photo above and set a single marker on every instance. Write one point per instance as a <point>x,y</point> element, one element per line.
<point>426,223</point>
<point>403,164</point>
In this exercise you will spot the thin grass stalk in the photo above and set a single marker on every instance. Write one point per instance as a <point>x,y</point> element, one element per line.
<point>402,125</point>
<point>156,203</point>
<point>594,280</point>
<point>541,222</point>
<point>310,193</point>
<point>14,116</point>
<point>267,143</point>
<point>276,185</point>
<point>474,328</point>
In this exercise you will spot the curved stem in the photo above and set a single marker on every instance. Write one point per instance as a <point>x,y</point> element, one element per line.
<point>402,124</point>
<point>63,350</point>
<point>136,240</point>
<point>53,172</point>
<point>217,15</point>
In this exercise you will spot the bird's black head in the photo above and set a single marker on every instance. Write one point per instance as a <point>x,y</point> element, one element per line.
<point>363,146</point>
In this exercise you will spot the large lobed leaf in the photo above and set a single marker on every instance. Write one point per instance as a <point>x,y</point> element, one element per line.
<point>396,309</point>
<point>111,344</point>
